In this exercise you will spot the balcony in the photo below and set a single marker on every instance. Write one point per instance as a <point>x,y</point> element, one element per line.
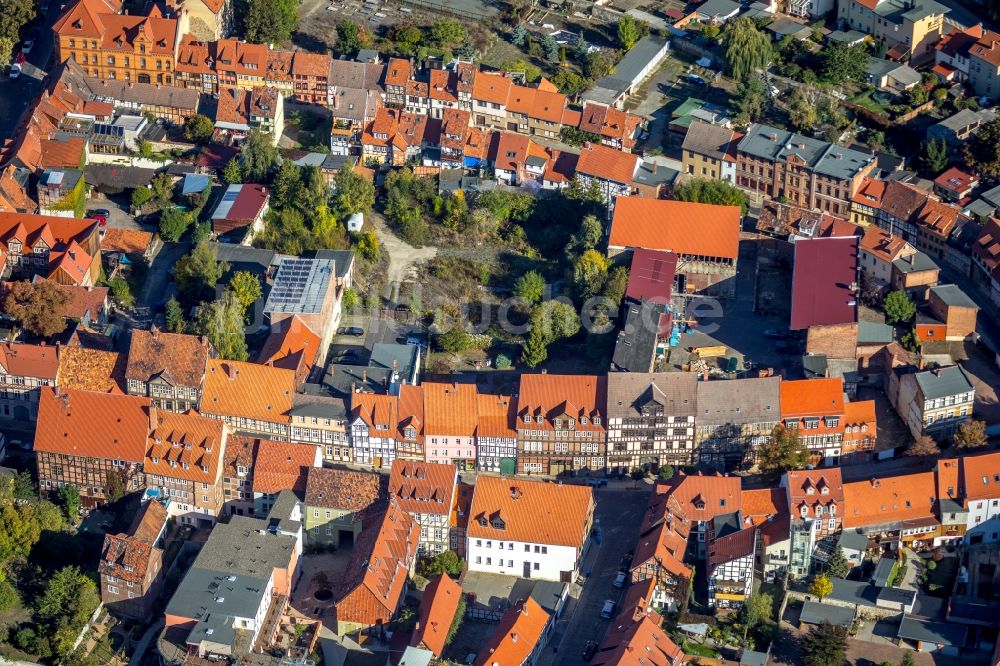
<point>729,596</point>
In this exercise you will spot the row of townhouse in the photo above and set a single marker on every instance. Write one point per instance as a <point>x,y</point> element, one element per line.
<point>794,528</point>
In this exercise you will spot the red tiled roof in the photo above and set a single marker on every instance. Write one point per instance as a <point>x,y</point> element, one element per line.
<point>520,629</point>
<point>607,164</point>
<point>316,65</point>
<point>704,497</point>
<point>24,360</point>
<point>824,271</point>
<point>812,397</point>
<point>437,610</point>
<point>492,88</point>
<point>129,241</point>
<point>551,396</point>
<point>760,505</point>
<point>426,488</point>
<point>236,388</point>
<point>93,425</point>
<point>889,500</point>
<point>682,227</point>
<point>283,466</point>
<point>87,369</point>
<point>637,640</point>
<point>185,446</point>
<point>343,489</point>
<point>291,345</point>
<point>879,243</point>
<point>981,476</point>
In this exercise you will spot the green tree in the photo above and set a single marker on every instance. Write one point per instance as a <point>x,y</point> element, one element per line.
<point>368,245</point>
<point>246,289</point>
<point>114,485</point>
<point>821,586</point>
<point>271,21</point>
<point>314,192</point>
<point>843,62</point>
<point>908,657</point>
<point>982,149</point>
<point>162,191</point>
<point>354,194</point>
<point>447,563</point>
<point>934,155</point>
<point>351,37</point>
<point>531,72</point>
<point>551,48</point>
<point>65,607</point>
<point>199,129</point>
<point>351,301</point>
<point>448,32</point>
<point>837,566</point>
<point>748,48</point>
<point>233,173</point>
<point>9,598</point>
<point>455,340</point>
<point>718,192</point>
<point>69,499</point>
<point>7,48</point>
<point>825,645</point>
<point>875,139</point>
<point>617,283</point>
<point>530,287</point>
<point>221,321</point>
<point>259,155</point>
<point>173,223</point>
<point>587,237</point>
<point>24,486</point>
<point>502,362</point>
<point>174,314</point>
<point>630,31</point>
<point>802,112</point>
<point>756,610</point>
<point>638,474</point>
<point>601,63</point>
<point>40,306</point>
<point>970,435</point>
<point>456,620</point>
<point>408,38</point>
<point>535,349</point>
<point>898,307</point>
<point>569,82</point>
<point>197,273</point>
<point>590,273</point>
<point>783,452</point>
<point>555,320</point>
<point>140,197</point>
<point>519,36</point>
<point>286,185</point>
<point>121,292</point>
<point>750,100</point>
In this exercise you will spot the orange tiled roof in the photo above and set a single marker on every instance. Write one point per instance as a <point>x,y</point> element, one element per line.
<point>705,497</point>
<point>812,397</point>
<point>497,416</point>
<point>124,558</point>
<point>870,192</point>
<point>521,99</point>
<point>808,488</point>
<point>93,425</point>
<point>682,227</point>
<point>889,500</point>
<point>20,359</point>
<point>86,369</point>
<point>185,446</point>
<point>520,629</point>
<point>316,65</point>
<point>450,409</point>
<point>663,537</point>
<point>531,511</point>
<point>121,33</point>
<point>241,450</point>
<point>637,641</point>
<point>548,105</point>
<point>878,242</point>
<point>981,476</point>
<point>420,487</point>
<point>492,88</point>
<point>240,389</point>
<point>443,85</point>
<point>859,420</point>
<point>176,358</point>
<point>608,164</point>
<point>279,65</point>
<point>761,504</point>
<point>283,466</point>
<point>129,241</point>
<point>13,197</point>
<point>62,153</point>
<point>437,610</point>
<point>549,396</point>
<point>397,72</point>
<point>987,48</point>
<point>291,345</point>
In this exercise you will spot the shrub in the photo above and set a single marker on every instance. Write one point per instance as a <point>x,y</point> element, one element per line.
<point>502,362</point>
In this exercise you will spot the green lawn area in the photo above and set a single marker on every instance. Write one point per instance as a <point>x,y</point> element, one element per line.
<point>697,649</point>
<point>942,577</point>
<point>866,100</point>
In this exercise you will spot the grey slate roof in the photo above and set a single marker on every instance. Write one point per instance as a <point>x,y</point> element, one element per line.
<point>897,10</point>
<point>245,547</point>
<point>707,139</point>
<point>871,332</point>
<point>771,143</point>
<point>883,570</point>
<point>942,382</point>
<point>344,260</point>
<point>914,263</point>
<point>953,295</point>
<point>214,597</point>
<point>720,9</point>
<point>897,595</point>
<point>628,391</point>
<point>319,405</point>
<point>636,342</point>
<point>753,658</point>
<point>816,613</point>
<point>653,174</point>
<point>853,592</point>
<point>738,401</point>
<point>965,118</point>
<point>386,354</point>
<point>941,633</point>
<point>627,69</point>
<point>853,540</point>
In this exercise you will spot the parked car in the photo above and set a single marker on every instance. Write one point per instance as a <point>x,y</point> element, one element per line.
<point>694,79</point>
<point>620,579</point>
<point>626,561</point>
<point>15,71</point>
<point>589,650</point>
<point>29,43</point>
<point>356,331</point>
<point>416,342</point>
<point>608,609</point>
<point>597,483</point>
<point>99,214</point>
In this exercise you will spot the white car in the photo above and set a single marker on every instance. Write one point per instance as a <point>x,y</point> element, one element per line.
<point>15,71</point>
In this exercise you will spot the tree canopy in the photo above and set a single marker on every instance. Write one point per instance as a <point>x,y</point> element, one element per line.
<point>197,273</point>
<point>39,306</point>
<point>530,287</point>
<point>199,129</point>
<point>825,645</point>
<point>221,321</point>
<point>271,21</point>
<point>970,435</point>
<point>351,37</point>
<point>844,62</point>
<point>258,155</point>
<point>747,47</point>
<point>821,586</point>
<point>630,31</point>
<point>783,452</point>
<point>923,446</point>
<point>982,149</point>
<point>898,307</point>
<point>706,190</point>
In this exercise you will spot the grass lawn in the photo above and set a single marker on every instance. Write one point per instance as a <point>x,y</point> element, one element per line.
<point>866,100</point>
<point>942,577</point>
<point>697,649</point>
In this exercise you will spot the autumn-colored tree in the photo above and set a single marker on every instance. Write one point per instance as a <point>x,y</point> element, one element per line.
<point>821,586</point>
<point>970,435</point>
<point>923,447</point>
<point>40,307</point>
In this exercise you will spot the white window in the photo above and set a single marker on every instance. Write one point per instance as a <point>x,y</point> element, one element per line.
<point>112,589</point>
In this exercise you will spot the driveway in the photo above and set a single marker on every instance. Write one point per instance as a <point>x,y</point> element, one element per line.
<point>403,257</point>
<point>620,511</point>
<point>158,278</point>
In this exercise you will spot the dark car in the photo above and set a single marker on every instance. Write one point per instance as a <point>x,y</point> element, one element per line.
<point>694,79</point>
<point>589,650</point>
<point>346,357</point>
<point>99,214</point>
<point>351,330</point>
<point>776,333</point>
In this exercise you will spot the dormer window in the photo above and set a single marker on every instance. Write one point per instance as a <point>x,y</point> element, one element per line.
<point>832,509</point>
<point>538,419</point>
<point>527,418</point>
<point>583,420</point>
<point>825,491</point>
<point>597,420</point>
<point>155,460</point>
<point>804,512</point>
<point>810,491</point>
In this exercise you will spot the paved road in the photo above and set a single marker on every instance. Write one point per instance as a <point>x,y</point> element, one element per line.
<point>16,95</point>
<point>620,509</point>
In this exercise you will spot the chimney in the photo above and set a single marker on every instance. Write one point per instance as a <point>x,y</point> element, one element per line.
<point>230,371</point>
